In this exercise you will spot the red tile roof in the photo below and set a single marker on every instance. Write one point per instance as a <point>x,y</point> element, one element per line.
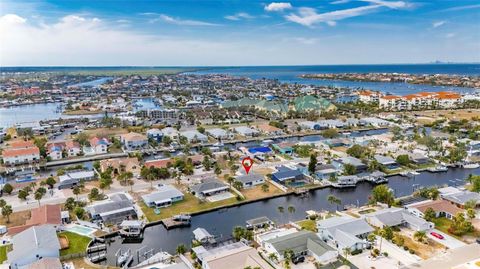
<point>20,152</point>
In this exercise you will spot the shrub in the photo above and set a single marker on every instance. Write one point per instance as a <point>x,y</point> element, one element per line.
<point>385,254</point>
<point>355,252</point>
<point>411,251</point>
<point>405,248</point>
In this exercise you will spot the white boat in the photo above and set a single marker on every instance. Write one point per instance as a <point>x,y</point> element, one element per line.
<point>409,173</point>
<point>470,165</point>
<point>123,258</point>
<point>439,168</point>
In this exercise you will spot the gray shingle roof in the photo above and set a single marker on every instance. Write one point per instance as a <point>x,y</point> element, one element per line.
<point>251,177</point>
<point>32,239</point>
<point>299,242</point>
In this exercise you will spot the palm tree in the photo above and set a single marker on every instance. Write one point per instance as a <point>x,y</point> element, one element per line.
<point>334,200</point>
<point>281,210</point>
<point>76,192</point>
<point>7,211</point>
<point>181,249</point>
<point>420,236</point>
<point>273,257</point>
<point>381,233</point>
<point>291,209</point>
<point>346,252</point>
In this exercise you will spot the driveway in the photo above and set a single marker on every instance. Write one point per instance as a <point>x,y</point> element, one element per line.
<point>448,241</point>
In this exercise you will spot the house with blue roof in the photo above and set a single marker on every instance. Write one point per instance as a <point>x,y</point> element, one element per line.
<point>260,150</point>
<point>287,176</point>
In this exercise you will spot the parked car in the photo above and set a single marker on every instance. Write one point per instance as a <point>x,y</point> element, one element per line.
<point>437,235</point>
<point>298,259</point>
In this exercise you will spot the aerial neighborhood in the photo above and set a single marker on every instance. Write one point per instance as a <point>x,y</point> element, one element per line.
<point>149,171</point>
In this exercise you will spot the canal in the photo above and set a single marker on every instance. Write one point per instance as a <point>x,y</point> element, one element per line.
<point>221,222</point>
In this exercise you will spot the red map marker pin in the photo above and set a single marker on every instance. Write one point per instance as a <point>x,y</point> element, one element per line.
<point>247,163</point>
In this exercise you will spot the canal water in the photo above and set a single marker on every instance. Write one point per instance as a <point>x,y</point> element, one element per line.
<point>221,222</point>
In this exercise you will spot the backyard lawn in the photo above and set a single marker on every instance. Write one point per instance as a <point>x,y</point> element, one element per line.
<point>257,192</point>
<point>190,204</point>
<point>3,252</point>
<point>77,243</point>
<point>308,224</point>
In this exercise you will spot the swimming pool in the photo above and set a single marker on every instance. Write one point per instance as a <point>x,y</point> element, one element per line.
<point>81,230</point>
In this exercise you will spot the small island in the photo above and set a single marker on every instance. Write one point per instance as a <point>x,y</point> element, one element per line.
<point>425,79</point>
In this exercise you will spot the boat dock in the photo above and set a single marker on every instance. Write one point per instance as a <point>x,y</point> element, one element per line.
<point>98,257</point>
<point>170,223</point>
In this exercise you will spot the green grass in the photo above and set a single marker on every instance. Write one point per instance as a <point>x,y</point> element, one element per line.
<point>3,252</point>
<point>308,224</point>
<point>366,211</point>
<point>442,224</point>
<point>77,243</point>
<point>190,204</point>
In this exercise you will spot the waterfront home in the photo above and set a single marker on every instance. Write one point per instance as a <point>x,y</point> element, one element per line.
<point>338,142</point>
<point>333,124</point>
<point>261,222</point>
<point>209,187</point>
<point>357,163</point>
<point>269,130</point>
<point>17,156</point>
<point>246,131</point>
<point>33,244</point>
<point>250,180</point>
<point>164,196</point>
<point>462,197</point>
<point>368,96</point>
<point>120,165</point>
<point>72,179</point>
<point>194,136</point>
<point>398,217</point>
<point>203,236</point>
<point>326,171</point>
<point>284,148</point>
<point>233,256</point>
<point>117,208</point>
<point>170,132</point>
<point>418,158</point>
<point>43,215</point>
<point>310,125</point>
<point>55,150</point>
<point>375,122</point>
<point>161,163</point>
<point>345,232</point>
<point>442,208</point>
<point>286,175</point>
<point>73,148</point>
<point>134,141</point>
<point>219,133</point>
<point>99,145</point>
<point>155,134</point>
<point>303,243</point>
<point>346,181</point>
<point>386,161</point>
<point>259,151</point>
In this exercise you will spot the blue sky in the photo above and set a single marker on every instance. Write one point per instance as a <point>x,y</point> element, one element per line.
<point>166,33</point>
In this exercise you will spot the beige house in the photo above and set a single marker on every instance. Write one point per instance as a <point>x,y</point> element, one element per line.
<point>129,164</point>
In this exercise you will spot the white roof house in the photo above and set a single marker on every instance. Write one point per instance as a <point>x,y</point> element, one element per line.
<point>33,244</point>
<point>246,131</point>
<point>219,133</point>
<point>165,195</point>
<point>394,217</point>
<point>194,136</point>
<point>345,232</point>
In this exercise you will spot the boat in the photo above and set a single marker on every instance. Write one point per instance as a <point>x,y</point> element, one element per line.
<point>123,258</point>
<point>182,218</point>
<point>439,168</point>
<point>470,165</point>
<point>410,173</point>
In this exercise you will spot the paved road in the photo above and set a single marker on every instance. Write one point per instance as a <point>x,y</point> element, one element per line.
<point>448,241</point>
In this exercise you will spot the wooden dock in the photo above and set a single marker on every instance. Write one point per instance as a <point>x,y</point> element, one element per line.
<point>170,223</point>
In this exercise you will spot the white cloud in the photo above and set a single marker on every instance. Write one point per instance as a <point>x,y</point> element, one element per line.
<point>178,21</point>
<point>450,35</point>
<point>339,2</point>
<point>308,16</point>
<point>390,4</point>
<point>278,6</point>
<point>306,41</point>
<point>239,16</point>
<point>438,24</point>
<point>12,19</point>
